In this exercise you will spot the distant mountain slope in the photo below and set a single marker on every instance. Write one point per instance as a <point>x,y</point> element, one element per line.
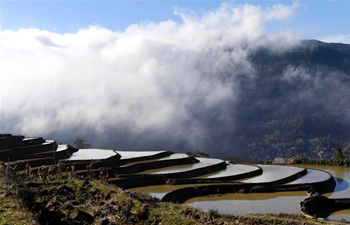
<point>309,53</point>
<point>297,103</point>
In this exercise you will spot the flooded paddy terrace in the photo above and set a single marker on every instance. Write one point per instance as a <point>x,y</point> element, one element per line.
<point>204,183</point>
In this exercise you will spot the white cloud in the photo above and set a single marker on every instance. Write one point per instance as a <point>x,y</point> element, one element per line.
<point>153,76</point>
<point>291,74</point>
<point>344,38</point>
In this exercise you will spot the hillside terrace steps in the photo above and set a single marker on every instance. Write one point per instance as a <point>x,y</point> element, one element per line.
<point>15,147</point>
<point>17,141</point>
<point>136,168</point>
<point>96,172</point>
<point>19,153</point>
<point>159,191</point>
<point>23,148</point>
<point>66,172</point>
<point>271,175</point>
<point>168,157</point>
<point>312,176</point>
<point>319,181</point>
<point>232,169</point>
<point>232,173</point>
<point>62,152</point>
<point>91,155</point>
<point>32,162</point>
<point>254,185</point>
<point>8,141</point>
<point>160,176</point>
<point>322,206</point>
<point>99,157</point>
<point>222,179</point>
<point>185,176</point>
<point>128,157</point>
<point>277,174</point>
<point>79,173</point>
<point>198,167</point>
<point>33,141</point>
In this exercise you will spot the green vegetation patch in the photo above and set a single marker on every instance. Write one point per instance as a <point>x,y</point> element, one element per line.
<point>89,202</point>
<point>12,210</point>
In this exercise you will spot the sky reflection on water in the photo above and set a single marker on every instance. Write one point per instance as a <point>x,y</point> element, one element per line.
<point>287,202</point>
<point>277,202</point>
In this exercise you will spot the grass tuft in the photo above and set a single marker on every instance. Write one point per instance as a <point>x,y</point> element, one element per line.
<point>76,201</point>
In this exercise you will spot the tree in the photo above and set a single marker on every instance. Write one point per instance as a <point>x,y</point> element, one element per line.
<point>81,143</point>
<point>235,159</point>
<point>338,154</point>
<point>346,150</point>
<point>198,153</point>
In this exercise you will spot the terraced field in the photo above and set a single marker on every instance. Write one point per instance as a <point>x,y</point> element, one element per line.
<point>174,177</point>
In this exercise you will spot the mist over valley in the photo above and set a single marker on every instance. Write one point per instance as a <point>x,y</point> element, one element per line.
<point>217,82</point>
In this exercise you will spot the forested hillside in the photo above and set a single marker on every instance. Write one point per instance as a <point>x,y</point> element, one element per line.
<point>297,104</point>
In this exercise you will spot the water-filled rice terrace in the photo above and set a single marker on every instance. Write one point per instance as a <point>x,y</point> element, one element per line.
<point>168,176</point>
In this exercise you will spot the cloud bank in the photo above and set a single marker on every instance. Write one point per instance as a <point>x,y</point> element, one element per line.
<point>150,84</point>
<point>345,38</point>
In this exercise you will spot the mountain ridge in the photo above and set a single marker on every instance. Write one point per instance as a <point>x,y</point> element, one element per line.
<point>297,96</point>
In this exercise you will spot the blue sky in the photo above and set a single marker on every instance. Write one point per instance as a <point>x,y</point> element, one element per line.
<point>142,67</point>
<point>311,19</point>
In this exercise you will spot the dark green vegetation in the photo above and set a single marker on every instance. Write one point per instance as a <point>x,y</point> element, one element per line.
<point>81,143</point>
<point>198,153</point>
<point>49,190</point>
<point>12,210</point>
<point>296,105</point>
<point>338,159</point>
<point>331,162</point>
<point>285,102</point>
<point>81,202</point>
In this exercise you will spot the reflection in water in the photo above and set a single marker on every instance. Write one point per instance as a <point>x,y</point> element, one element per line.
<point>159,191</point>
<point>287,202</point>
<point>334,215</point>
<point>88,154</point>
<point>204,162</point>
<point>342,185</point>
<point>273,173</point>
<point>342,190</point>
<point>277,202</point>
<point>340,215</point>
<point>312,176</point>
<point>338,180</point>
<point>231,170</point>
<point>341,176</point>
<point>252,196</point>
<point>251,203</point>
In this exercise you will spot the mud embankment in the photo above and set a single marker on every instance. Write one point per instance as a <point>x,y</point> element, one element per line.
<point>184,194</point>
<point>321,206</point>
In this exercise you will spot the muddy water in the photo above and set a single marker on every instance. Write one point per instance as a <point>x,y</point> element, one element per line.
<point>312,176</point>
<point>287,202</point>
<point>159,191</point>
<point>231,170</point>
<point>89,154</point>
<point>276,202</point>
<point>204,162</point>
<point>342,190</point>
<point>273,173</point>
<point>137,154</point>
<point>251,203</point>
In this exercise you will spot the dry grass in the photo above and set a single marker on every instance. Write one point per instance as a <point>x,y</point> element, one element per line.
<point>12,210</point>
<point>81,202</point>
